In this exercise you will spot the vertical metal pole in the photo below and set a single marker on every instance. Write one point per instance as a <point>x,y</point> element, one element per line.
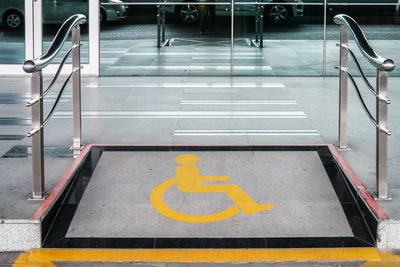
<point>344,40</point>
<point>324,44</point>
<point>29,29</point>
<point>158,26</point>
<point>261,29</point>
<point>94,37</point>
<point>232,34</point>
<point>163,23</point>
<point>37,139</point>
<point>381,136</point>
<point>76,90</point>
<point>37,28</point>
<point>257,16</point>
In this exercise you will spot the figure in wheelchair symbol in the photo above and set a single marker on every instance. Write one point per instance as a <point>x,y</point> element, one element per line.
<point>189,180</point>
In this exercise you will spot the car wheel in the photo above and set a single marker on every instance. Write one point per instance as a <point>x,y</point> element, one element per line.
<point>278,14</point>
<point>103,17</point>
<point>189,13</point>
<point>13,20</point>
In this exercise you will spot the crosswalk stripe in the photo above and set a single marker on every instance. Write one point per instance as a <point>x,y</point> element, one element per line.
<point>238,102</point>
<point>190,67</point>
<point>187,85</point>
<point>244,132</point>
<point>185,114</point>
<point>191,54</point>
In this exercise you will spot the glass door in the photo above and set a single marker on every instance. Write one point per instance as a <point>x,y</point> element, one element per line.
<point>278,38</point>
<point>184,38</point>
<point>13,52</point>
<point>195,38</point>
<point>41,20</point>
<point>54,13</point>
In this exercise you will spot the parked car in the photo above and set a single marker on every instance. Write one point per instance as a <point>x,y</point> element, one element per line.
<point>57,11</point>
<point>358,9</point>
<point>276,14</point>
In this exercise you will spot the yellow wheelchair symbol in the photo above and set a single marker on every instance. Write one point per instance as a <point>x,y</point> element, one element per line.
<point>189,180</point>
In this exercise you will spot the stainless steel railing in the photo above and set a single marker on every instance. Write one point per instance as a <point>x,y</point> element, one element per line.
<point>382,66</point>
<point>35,66</point>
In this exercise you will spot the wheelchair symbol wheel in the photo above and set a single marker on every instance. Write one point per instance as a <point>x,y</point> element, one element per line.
<point>157,200</point>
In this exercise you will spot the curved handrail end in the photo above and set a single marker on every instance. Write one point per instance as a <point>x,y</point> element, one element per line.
<point>56,45</point>
<point>29,66</point>
<point>362,42</point>
<point>388,65</point>
<point>341,19</point>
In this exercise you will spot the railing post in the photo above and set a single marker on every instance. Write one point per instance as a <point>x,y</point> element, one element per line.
<point>381,136</point>
<point>163,23</point>
<point>261,29</point>
<point>344,54</point>
<point>76,90</point>
<point>257,18</point>
<point>158,26</point>
<point>38,192</point>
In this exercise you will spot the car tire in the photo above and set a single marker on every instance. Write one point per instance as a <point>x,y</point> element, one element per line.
<point>188,13</point>
<point>103,17</point>
<point>278,14</point>
<point>13,20</point>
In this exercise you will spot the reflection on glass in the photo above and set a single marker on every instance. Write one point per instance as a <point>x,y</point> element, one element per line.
<point>279,39</point>
<point>380,25</point>
<point>12,44</point>
<point>275,38</point>
<point>197,41</point>
<point>55,12</point>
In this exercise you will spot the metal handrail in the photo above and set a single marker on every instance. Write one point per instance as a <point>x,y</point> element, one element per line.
<point>59,69</point>
<point>45,59</point>
<point>376,60</point>
<point>363,76</point>
<point>382,66</point>
<point>70,27</point>
<point>364,105</point>
<point>53,108</point>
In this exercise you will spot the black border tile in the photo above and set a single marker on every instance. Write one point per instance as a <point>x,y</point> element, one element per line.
<point>14,121</point>
<point>23,151</point>
<point>11,137</point>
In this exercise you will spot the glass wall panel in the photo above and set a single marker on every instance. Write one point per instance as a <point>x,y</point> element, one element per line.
<point>280,38</point>
<point>12,44</point>
<point>54,13</point>
<point>288,39</point>
<point>196,42</point>
<point>380,23</point>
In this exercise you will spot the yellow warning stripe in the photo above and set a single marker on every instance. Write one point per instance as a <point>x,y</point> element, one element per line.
<point>45,257</point>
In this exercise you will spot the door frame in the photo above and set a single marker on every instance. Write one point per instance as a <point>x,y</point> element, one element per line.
<point>34,41</point>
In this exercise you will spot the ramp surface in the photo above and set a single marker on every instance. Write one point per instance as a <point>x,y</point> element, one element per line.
<point>197,196</point>
<point>117,200</point>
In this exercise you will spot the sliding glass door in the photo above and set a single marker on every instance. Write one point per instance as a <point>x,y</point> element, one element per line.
<point>198,38</point>
<point>184,38</point>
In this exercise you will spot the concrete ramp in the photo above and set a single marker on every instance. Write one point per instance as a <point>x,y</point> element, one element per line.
<point>209,197</point>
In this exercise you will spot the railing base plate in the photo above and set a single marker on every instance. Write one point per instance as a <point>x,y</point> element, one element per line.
<point>35,199</point>
<point>77,150</point>
<point>348,148</point>
<point>380,198</point>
